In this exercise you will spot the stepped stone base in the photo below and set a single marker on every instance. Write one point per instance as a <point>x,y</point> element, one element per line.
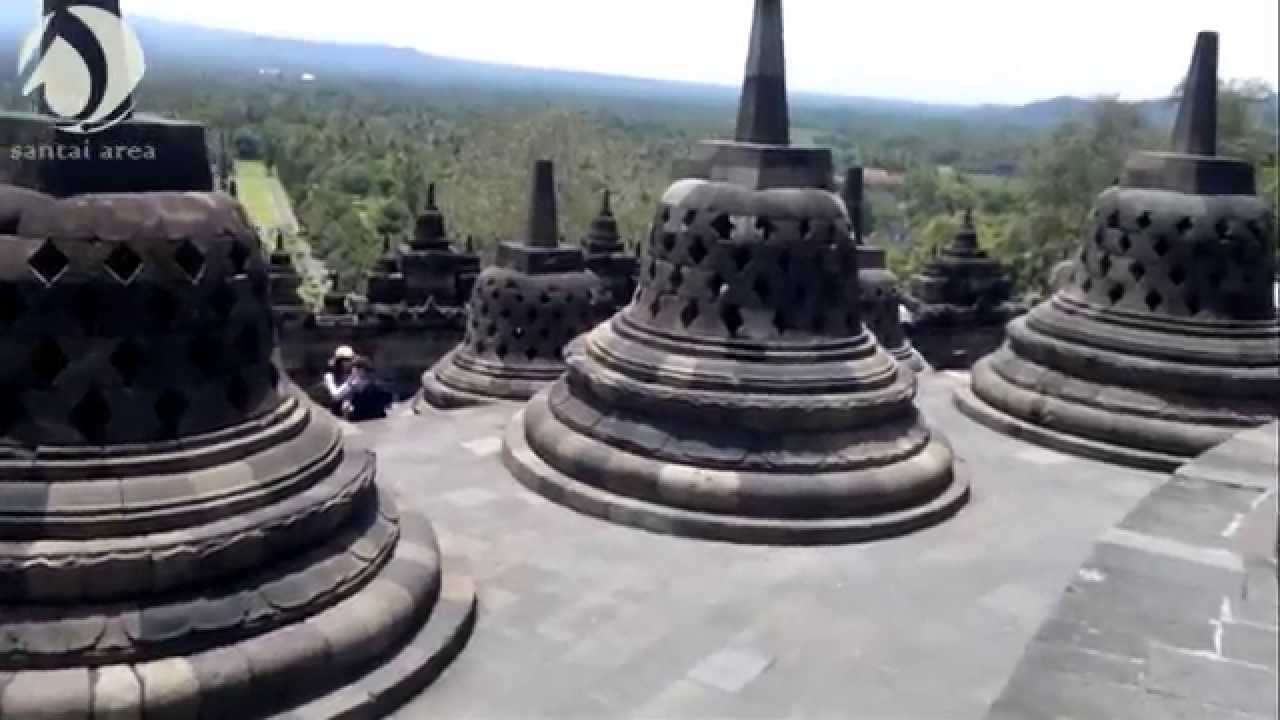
<point>540,477</point>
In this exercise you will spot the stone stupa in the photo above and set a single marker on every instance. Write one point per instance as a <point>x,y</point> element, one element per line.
<point>1165,342</point>
<point>607,257</point>
<point>960,302</point>
<point>434,273</point>
<point>881,292</point>
<point>524,311</point>
<point>739,396</point>
<point>182,533</point>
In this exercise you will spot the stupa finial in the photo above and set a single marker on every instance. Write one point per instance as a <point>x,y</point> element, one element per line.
<point>431,196</point>
<point>606,209</point>
<point>763,117</point>
<point>1196,129</point>
<point>542,229</point>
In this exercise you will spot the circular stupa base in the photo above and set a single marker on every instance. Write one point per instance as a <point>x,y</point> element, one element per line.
<point>911,358</point>
<point>370,652</point>
<point>539,476</point>
<point>451,384</point>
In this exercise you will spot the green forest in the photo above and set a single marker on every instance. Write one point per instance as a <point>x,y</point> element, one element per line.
<point>356,159</point>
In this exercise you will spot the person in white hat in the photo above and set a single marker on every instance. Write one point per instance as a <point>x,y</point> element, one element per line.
<point>339,381</point>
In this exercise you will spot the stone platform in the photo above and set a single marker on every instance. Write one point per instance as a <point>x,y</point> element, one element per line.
<point>581,618</point>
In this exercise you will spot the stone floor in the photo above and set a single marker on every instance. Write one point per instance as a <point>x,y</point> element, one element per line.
<point>584,619</point>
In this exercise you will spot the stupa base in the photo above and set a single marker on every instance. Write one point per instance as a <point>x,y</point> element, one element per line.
<point>539,476</point>
<point>466,388</point>
<point>371,652</point>
<point>983,412</point>
<point>909,357</point>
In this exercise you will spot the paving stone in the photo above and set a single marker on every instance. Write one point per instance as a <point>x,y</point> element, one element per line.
<point>470,497</point>
<point>1211,680</point>
<point>730,669</point>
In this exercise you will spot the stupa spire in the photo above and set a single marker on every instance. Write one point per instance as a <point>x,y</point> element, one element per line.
<point>542,229</point>
<point>1196,129</point>
<point>852,194</point>
<point>606,210</point>
<point>763,117</point>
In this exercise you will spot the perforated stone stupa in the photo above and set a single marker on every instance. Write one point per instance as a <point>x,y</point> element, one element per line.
<point>607,257</point>
<point>524,311</point>
<point>1164,343</point>
<point>182,533</point>
<point>739,396</point>
<point>881,293</point>
<point>960,302</point>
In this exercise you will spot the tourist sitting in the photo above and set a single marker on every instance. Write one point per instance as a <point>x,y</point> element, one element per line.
<point>338,381</point>
<point>367,399</point>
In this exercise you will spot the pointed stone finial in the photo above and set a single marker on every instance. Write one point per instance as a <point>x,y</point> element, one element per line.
<point>606,210</point>
<point>542,229</point>
<point>966,241</point>
<point>430,231</point>
<point>431,197</point>
<point>470,247</point>
<point>763,117</point>
<point>852,194</point>
<point>1196,130</point>
<point>968,218</point>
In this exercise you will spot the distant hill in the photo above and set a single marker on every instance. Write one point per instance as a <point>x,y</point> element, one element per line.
<point>177,46</point>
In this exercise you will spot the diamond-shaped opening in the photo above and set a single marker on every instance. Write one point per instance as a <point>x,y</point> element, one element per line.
<point>91,416</point>
<point>1116,292</point>
<point>723,225</point>
<point>1161,245</point>
<point>492,330</point>
<point>47,363</point>
<point>1099,237</point>
<point>48,262</point>
<point>765,227</point>
<point>123,263</point>
<point>1137,270</point>
<point>761,288</point>
<point>1113,220</point>
<point>239,257</point>
<point>544,298</point>
<point>501,350</point>
<point>481,347</point>
<point>690,217</point>
<point>1104,264</point>
<point>1126,243</point>
<point>238,393</point>
<point>505,313</point>
<point>805,228</point>
<point>741,257</point>
<point>518,332</point>
<point>510,284</point>
<point>1144,220</point>
<point>655,307</point>
<point>11,305</point>
<point>689,313</point>
<point>731,315</point>
<point>1154,299</point>
<point>1193,303</point>
<point>780,321</point>
<point>1087,285</point>
<point>170,408</point>
<point>676,280</point>
<point>129,359</point>
<point>222,301</point>
<point>1184,225</point>
<point>697,250</point>
<point>1222,227</point>
<point>190,260</point>
<point>716,285</point>
<point>205,352</point>
<point>668,242</point>
<point>653,269</point>
<point>1178,275</point>
<point>250,344</point>
<point>665,215</point>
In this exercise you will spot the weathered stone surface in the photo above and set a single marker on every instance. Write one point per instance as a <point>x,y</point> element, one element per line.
<point>1163,344</point>
<point>607,257</point>
<point>523,312</point>
<point>739,395</point>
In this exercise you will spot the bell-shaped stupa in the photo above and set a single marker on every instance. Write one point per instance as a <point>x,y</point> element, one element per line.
<point>524,310</point>
<point>1165,342</point>
<point>607,257</point>
<point>739,397</point>
<point>881,292</point>
<point>182,533</point>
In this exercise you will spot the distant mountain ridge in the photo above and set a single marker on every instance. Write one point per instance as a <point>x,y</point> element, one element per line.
<point>179,45</point>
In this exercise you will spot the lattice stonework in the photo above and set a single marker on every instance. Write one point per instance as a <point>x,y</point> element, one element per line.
<point>1148,256</point>
<point>111,340</point>
<point>711,274</point>
<point>518,318</point>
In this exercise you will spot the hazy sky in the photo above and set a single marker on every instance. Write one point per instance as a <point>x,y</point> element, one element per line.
<point>935,50</point>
